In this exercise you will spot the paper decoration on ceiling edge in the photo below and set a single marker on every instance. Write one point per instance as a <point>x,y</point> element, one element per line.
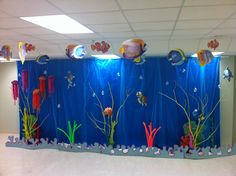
<point>100,46</point>
<point>24,49</point>
<point>6,52</point>
<point>15,91</point>
<point>133,49</point>
<point>176,57</point>
<point>204,57</point>
<point>227,74</point>
<point>213,44</point>
<point>75,51</point>
<point>142,100</point>
<point>42,59</point>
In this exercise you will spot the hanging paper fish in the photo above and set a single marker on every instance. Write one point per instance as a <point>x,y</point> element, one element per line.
<point>133,49</point>
<point>15,91</point>
<point>51,80</point>
<point>75,51</point>
<point>176,57</point>
<point>141,98</point>
<point>42,59</point>
<point>100,46</point>
<point>227,74</point>
<point>6,52</point>
<point>24,49</point>
<point>213,44</point>
<point>69,79</point>
<point>204,57</point>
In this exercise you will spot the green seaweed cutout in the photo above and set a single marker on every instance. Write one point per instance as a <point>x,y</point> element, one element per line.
<point>71,134</point>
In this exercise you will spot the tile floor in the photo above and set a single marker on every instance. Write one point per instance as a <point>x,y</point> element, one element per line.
<point>22,162</point>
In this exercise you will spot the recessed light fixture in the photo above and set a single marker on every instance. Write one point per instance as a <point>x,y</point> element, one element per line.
<point>106,56</point>
<point>213,53</point>
<point>58,23</point>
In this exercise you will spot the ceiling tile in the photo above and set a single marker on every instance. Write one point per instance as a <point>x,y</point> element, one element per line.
<point>28,8</point>
<point>210,12</point>
<point>3,14</point>
<point>187,46</point>
<point>153,33</point>
<point>14,23</point>
<point>84,36</point>
<point>33,31</point>
<point>232,46</point>
<point>223,32</point>
<point>141,4</point>
<point>6,33</point>
<point>51,37</point>
<point>118,35</point>
<point>197,24</point>
<point>24,38</point>
<point>231,23</point>
<point>157,47</point>
<point>99,18</point>
<point>208,2</point>
<point>191,32</point>
<point>153,26</point>
<point>234,16</point>
<point>110,28</point>
<point>152,15</point>
<point>76,6</point>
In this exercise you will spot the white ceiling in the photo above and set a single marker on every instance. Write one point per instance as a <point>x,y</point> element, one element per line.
<point>163,24</point>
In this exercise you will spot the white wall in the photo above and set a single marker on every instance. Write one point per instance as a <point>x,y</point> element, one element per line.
<point>9,118</point>
<point>228,102</point>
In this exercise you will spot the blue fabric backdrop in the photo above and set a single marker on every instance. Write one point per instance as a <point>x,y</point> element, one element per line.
<point>156,75</point>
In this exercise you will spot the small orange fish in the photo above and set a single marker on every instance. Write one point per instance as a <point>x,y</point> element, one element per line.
<point>213,44</point>
<point>100,46</point>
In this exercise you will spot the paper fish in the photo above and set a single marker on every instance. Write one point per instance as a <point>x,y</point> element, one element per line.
<point>75,51</point>
<point>24,49</point>
<point>108,111</point>
<point>141,98</point>
<point>69,79</point>
<point>133,49</point>
<point>227,74</point>
<point>42,59</point>
<point>100,46</point>
<point>204,57</point>
<point>213,44</point>
<point>176,57</point>
<point>6,52</point>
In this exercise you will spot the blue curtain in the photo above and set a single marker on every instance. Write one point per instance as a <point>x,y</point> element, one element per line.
<point>156,76</point>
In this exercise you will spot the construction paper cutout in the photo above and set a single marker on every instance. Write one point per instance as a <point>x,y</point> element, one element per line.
<point>6,52</point>
<point>176,57</point>
<point>75,51</point>
<point>100,46</point>
<point>227,74</point>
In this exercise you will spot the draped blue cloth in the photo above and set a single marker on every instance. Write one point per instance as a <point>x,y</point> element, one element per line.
<point>156,76</point>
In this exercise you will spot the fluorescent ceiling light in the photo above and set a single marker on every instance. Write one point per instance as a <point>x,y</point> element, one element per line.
<point>213,53</point>
<point>58,23</point>
<point>106,56</point>
<point>11,60</point>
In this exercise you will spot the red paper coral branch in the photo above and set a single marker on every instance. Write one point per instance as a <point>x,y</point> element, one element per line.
<point>150,134</point>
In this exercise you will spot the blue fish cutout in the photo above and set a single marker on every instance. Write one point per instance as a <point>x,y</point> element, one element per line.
<point>42,59</point>
<point>227,74</point>
<point>176,57</point>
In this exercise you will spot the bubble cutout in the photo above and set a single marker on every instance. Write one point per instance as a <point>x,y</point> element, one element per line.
<point>118,74</point>
<point>58,106</point>
<point>167,83</point>
<point>195,90</point>
<point>141,77</point>
<point>102,92</point>
<point>19,75</point>
<point>219,86</point>
<point>183,70</point>
<point>45,72</point>
<point>94,94</point>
